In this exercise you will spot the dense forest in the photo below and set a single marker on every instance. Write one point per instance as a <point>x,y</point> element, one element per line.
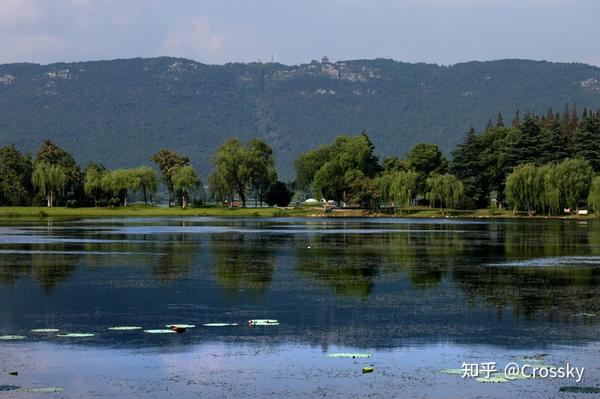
<point>534,163</point>
<point>123,111</point>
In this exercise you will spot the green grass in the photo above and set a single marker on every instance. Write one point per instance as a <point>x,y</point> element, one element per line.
<point>153,211</point>
<point>146,211</point>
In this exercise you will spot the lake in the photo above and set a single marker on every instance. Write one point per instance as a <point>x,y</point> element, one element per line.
<point>417,295</point>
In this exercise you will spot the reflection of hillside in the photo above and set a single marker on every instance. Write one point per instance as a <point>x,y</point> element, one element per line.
<point>243,262</point>
<point>13,267</point>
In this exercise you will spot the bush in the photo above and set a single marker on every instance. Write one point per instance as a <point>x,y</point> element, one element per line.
<point>71,203</point>
<point>102,202</point>
<point>114,202</point>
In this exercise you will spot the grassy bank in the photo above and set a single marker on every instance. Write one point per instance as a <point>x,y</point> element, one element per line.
<point>146,211</point>
<point>152,211</point>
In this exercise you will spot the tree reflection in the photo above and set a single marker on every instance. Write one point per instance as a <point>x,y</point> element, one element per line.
<point>348,264</point>
<point>243,262</point>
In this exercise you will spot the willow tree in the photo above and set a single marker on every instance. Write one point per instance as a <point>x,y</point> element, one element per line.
<point>574,177</point>
<point>119,182</point>
<point>50,180</point>
<point>525,188</point>
<point>446,190</point>
<point>147,182</point>
<point>185,180</point>
<point>92,183</point>
<point>594,196</point>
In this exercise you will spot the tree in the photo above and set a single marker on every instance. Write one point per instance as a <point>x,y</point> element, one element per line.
<point>574,177</point>
<point>524,188</point>
<point>261,163</point>
<point>93,181</point>
<point>185,180</point>
<point>54,155</point>
<point>169,162</point>
<point>279,194</point>
<point>447,190</point>
<point>551,191</point>
<point>15,177</point>
<point>426,159</point>
<point>231,174</point>
<point>119,182</point>
<point>586,142</point>
<point>148,183</point>
<point>337,178</point>
<point>50,180</point>
<point>594,196</point>
<point>397,188</point>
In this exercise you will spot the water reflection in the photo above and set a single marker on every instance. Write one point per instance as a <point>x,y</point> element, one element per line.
<point>333,282</point>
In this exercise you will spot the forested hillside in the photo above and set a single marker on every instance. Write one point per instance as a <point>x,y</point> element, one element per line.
<point>121,112</point>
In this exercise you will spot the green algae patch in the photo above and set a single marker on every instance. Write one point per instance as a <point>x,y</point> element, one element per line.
<point>219,324</point>
<point>160,331</point>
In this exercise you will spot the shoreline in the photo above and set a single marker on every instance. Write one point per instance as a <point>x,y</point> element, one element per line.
<point>313,212</point>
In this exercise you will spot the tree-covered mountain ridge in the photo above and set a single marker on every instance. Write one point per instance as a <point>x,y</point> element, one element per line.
<point>122,111</point>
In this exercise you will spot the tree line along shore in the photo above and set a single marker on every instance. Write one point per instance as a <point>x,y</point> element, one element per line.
<point>535,165</point>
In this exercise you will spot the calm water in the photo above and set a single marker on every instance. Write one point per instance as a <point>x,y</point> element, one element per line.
<point>418,295</point>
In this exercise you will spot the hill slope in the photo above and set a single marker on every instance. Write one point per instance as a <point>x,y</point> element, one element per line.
<point>120,112</point>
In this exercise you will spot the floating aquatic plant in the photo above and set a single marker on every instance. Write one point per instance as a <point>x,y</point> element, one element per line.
<point>492,379</point>
<point>11,337</point>
<point>263,322</point>
<point>452,371</point>
<point>349,355</point>
<point>219,324</point>
<point>5,388</point>
<point>180,326</point>
<point>44,390</point>
<point>45,330</point>
<point>574,389</point>
<point>160,331</point>
<point>367,370</point>
<point>124,328</point>
<point>75,335</point>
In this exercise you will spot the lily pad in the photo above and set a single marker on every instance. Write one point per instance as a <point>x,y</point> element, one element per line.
<point>75,335</point>
<point>159,331</point>
<point>452,371</point>
<point>367,370</point>
<point>349,355</point>
<point>263,322</point>
<point>180,325</point>
<point>574,389</point>
<point>44,390</point>
<point>5,388</point>
<point>45,330</point>
<point>11,337</point>
<point>219,324</point>
<point>124,328</point>
<point>492,379</point>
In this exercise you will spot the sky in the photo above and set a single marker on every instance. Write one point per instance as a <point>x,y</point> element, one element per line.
<point>298,31</point>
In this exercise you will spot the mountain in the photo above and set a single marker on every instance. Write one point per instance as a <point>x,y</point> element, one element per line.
<point>120,112</point>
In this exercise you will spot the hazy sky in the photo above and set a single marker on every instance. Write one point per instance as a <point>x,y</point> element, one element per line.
<point>295,31</point>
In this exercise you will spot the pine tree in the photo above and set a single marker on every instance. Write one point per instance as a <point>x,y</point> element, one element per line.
<point>500,120</point>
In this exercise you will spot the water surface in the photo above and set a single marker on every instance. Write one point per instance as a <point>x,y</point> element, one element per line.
<point>419,295</point>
